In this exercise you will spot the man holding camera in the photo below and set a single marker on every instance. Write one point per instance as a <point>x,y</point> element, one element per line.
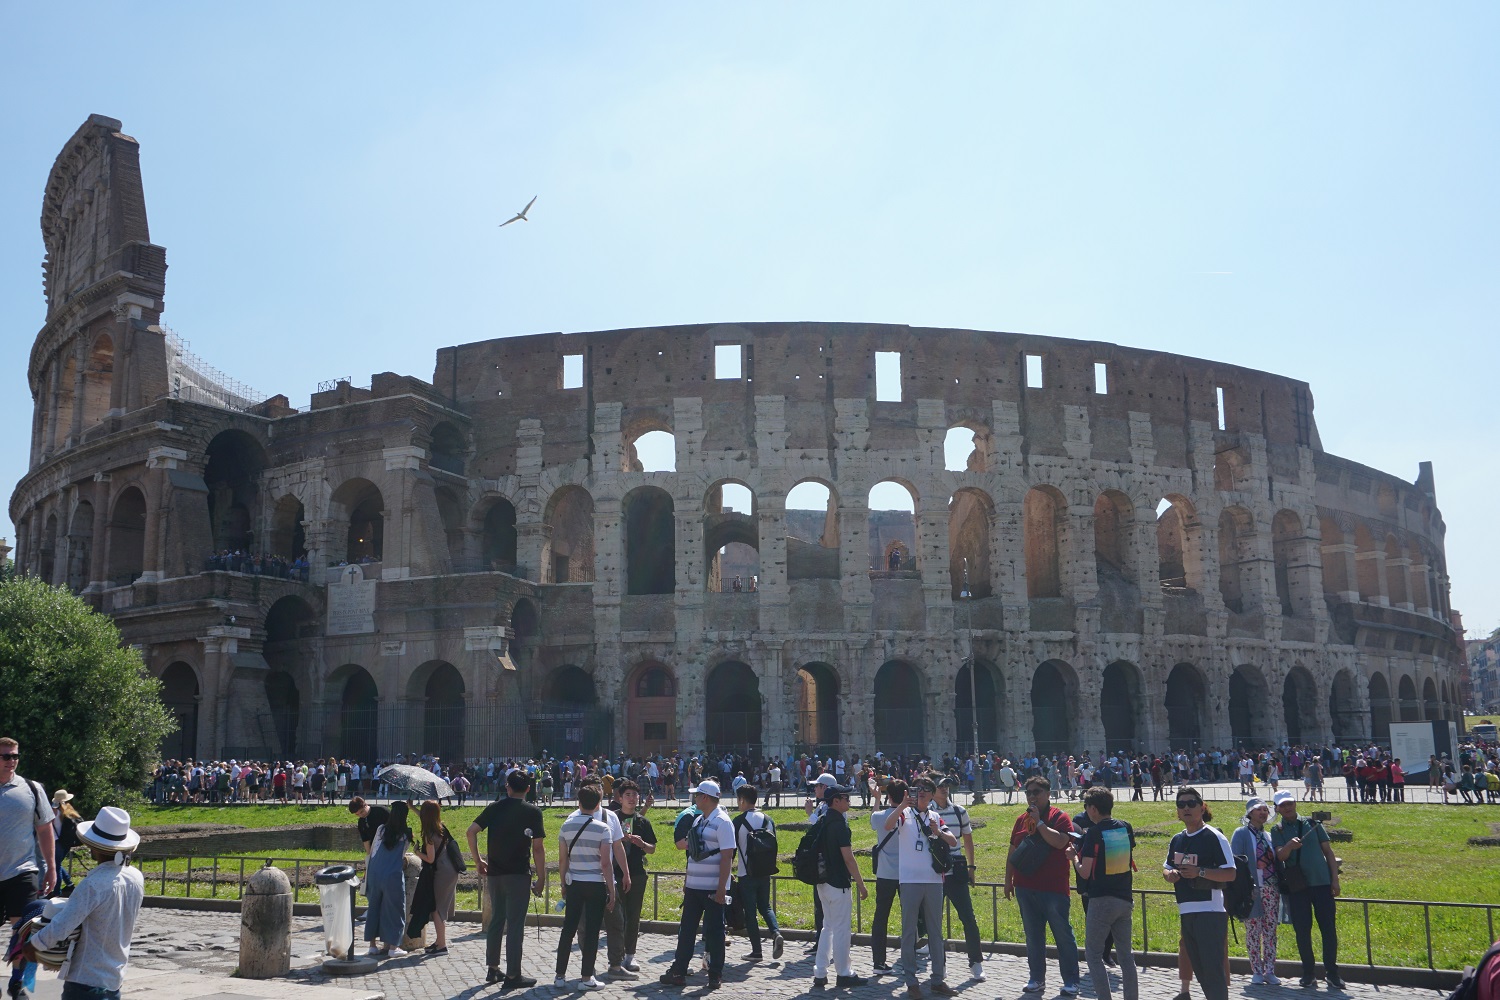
<point>1042,892</point>
<point>1309,886</point>
<point>919,832</point>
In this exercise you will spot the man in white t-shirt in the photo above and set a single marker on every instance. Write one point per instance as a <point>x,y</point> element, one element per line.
<point>709,842</point>
<point>886,858</point>
<point>921,887</point>
<point>776,783</point>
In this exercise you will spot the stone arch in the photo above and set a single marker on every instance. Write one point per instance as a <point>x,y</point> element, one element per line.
<point>650,529</point>
<point>1406,693</point>
<point>1395,572</point>
<point>731,537</point>
<point>286,710</point>
<point>1343,710</point>
<point>570,685</point>
<point>1054,707</point>
<point>447,449</point>
<point>288,532</point>
<point>498,535</point>
<point>1251,722</point>
<point>1178,534</point>
<point>358,706</point>
<point>1237,584</point>
<point>817,700</point>
<point>732,708</point>
<point>98,381</point>
<point>359,505</point>
<point>1187,707</point>
<point>648,444</point>
<point>1381,709</point>
<point>568,556</point>
<point>892,505</point>
<point>1044,516</point>
<point>650,709</point>
<point>988,687</point>
<point>180,693</point>
<point>1431,707</point>
<point>970,514</point>
<point>48,548</point>
<point>968,447</point>
<point>235,462</point>
<point>1366,566</point>
<point>900,709</point>
<point>127,537</point>
<point>66,401</point>
<point>1299,701</point>
<point>450,515</point>
<point>1122,706</point>
<point>1335,561</point>
<point>1291,556</point>
<point>80,546</point>
<point>812,531</point>
<point>1117,563</point>
<point>440,689</point>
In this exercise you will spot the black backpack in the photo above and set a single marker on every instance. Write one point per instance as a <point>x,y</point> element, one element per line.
<point>809,864</point>
<point>1239,895</point>
<point>761,849</point>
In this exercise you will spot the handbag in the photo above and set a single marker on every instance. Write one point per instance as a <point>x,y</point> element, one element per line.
<point>1289,874</point>
<point>1029,855</point>
<point>454,855</point>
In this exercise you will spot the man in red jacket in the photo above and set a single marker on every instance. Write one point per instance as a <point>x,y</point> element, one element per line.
<point>1042,893</point>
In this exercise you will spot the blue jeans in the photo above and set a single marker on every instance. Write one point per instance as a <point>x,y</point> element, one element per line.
<point>78,991</point>
<point>755,897</point>
<point>698,904</point>
<point>1040,910</point>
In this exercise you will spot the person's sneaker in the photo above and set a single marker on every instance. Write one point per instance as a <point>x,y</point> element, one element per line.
<point>714,982</point>
<point>1033,987</point>
<point>591,983</point>
<point>519,983</point>
<point>849,982</point>
<point>399,953</point>
<point>1335,983</point>
<point>777,946</point>
<point>629,964</point>
<point>670,978</point>
<point>942,989</point>
<point>433,949</point>
<point>820,984</point>
<point>976,971</point>
<point>1307,982</point>
<point>560,983</point>
<point>620,972</point>
<point>922,948</point>
<point>914,992</point>
<point>1070,989</point>
<point>1271,980</point>
<point>882,968</point>
<point>492,975</point>
<point>755,956</point>
<point>373,952</point>
<point>1257,980</point>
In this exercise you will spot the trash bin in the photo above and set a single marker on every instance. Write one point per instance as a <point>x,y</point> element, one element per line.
<point>336,886</point>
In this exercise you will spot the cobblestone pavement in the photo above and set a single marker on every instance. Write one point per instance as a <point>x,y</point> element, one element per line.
<point>210,942</point>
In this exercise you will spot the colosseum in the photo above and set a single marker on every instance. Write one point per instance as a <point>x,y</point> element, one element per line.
<point>781,536</point>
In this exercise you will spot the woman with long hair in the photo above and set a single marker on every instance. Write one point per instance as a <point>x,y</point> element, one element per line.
<point>437,860</point>
<point>385,884</point>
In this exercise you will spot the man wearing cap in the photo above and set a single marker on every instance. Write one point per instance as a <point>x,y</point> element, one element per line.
<point>1305,846</point>
<point>709,843</point>
<point>921,830</point>
<point>816,806</point>
<point>25,825</point>
<point>836,894</point>
<point>104,904</point>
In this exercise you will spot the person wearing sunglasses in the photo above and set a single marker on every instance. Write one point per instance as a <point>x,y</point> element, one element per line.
<point>25,830</point>
<point>1198,864</point>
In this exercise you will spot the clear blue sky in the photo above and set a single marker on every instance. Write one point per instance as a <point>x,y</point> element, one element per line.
<point>1308,191</point>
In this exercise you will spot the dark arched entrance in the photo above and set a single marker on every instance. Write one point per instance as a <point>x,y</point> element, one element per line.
<point>899,724</point>
<point>1249,708</point>
<point>987,690</point>
<point>1120,705</point>
<point>731,704</point>
<point>286,710</point>
<point>1299,698</point>
<point>232,475</point>
<point>1186,707</point>
<point>650,542</point>
<point>817,700</point>
<point>443,713</point>
<point>179,695</point>
<point>1052,708</point>
<point>1380,708</point>
<point>359,705</point>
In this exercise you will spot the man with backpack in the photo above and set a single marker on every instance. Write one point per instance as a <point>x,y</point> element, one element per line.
<point>924,843</point>
<point>1104,862</point>
<point>708,839</point>
<point>755,836</point>
<point>25,829</point>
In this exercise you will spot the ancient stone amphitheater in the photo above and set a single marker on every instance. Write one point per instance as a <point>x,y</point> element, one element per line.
<point>772,535</point>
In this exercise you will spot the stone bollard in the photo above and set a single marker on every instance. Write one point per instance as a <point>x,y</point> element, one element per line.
<point>413,872</point>
<point>266,925</point>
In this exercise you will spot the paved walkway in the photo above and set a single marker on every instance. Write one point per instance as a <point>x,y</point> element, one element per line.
<point>181,955</point>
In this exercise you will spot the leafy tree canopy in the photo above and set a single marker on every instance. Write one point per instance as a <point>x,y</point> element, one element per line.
<point>88,716</point>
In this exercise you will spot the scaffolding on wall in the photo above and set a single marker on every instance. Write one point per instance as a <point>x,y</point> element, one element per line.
<point>195,380</point>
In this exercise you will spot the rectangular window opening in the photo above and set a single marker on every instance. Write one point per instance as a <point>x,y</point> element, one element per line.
<point>888,376</point>
<point>655,731</point>
<point>1101,378</point>
<point>728,361</point>
<point>1033,371</point>
<point>572,371</point>
<point>1219,401</point>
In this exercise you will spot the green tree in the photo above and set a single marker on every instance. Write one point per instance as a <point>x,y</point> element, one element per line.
<point>87,714</point>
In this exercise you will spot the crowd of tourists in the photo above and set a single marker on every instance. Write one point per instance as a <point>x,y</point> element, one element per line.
<point>257,564</point>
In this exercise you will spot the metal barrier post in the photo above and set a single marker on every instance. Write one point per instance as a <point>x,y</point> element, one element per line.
<point>163,876</point>
<point>1145,928</point>
<point>296,880</point>
<point>187,893</point>
<point>242,879</point>
<point>1427,919</point>
<point>1369,948</point>
<point>994,913</point>
<point>655,903</point>
<point>213,886</point>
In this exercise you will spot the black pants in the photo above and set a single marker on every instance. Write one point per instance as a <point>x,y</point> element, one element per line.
<point>956,889</point>
<point>1203,936</point>
<point>886,892</point>
<point>584,904</point>
<point>698,906</point>
<point>510,895</point>
<point>1315,900</point>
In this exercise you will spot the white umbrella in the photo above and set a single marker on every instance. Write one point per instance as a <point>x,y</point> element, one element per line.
<point>415,782</point>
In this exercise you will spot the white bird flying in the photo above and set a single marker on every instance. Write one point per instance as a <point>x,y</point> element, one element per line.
<point>521,214</point>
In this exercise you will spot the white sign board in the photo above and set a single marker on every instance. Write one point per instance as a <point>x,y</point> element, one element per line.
<point>351,603</point>
<point>1412,743</point>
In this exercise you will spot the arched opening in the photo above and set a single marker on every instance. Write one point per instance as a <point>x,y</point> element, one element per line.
<point>1367,566</point>
<point>570,685</point>
<point>817,701</point>
<point>49,548</point>
<point>1395,572</point>
<point>1116,565</point>
<point>450,513</point>
<point>288,534</point>
<point>566,721</point>
<point>1120,705</point>
<point>524,622</point>
<point>731,535</point>
<point>900,724</point>
<point>653,451</point>
<point>1343,710</point>
<point>1236,560</point>
<point>359,707</point>
<point>1381,712</point>
<point>232,475</point>
<point>286,710</point>
<point>1431,709</point>
<point>1187,707</point>
<point>179,696</point>
<point>1054,705</point>
<point>1250,721</point>
<point>732,709</point>
<point>1044,513</point>
<point>98,382</point>
<point>569,553</point>
<point>893,527</point>
<point>812,532</point>
<point>1180,566</point>
<point>499,536</point>
<point>987,687</point>
<point>448,449</point>
<point>127,537</point>
<point>966,448</point>
<point>650,542</point>
<point>1290,553</point>
<point>970,514</point>
<point>651,708</point>
<point>1335,557</point>
<point>65,402</point>
<point>80,546</point>
<point>364,541</point>
<point>443,711</point>
<point>1406,690</point>
<point>1299,699</point>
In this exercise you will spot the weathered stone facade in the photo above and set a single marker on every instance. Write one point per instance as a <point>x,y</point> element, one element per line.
<point>1158,550</point>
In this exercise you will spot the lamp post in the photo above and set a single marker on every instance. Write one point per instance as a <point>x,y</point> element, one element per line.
<point>967,596</point>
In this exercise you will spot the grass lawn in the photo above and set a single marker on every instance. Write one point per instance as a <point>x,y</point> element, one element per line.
<point>1410,852</point>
